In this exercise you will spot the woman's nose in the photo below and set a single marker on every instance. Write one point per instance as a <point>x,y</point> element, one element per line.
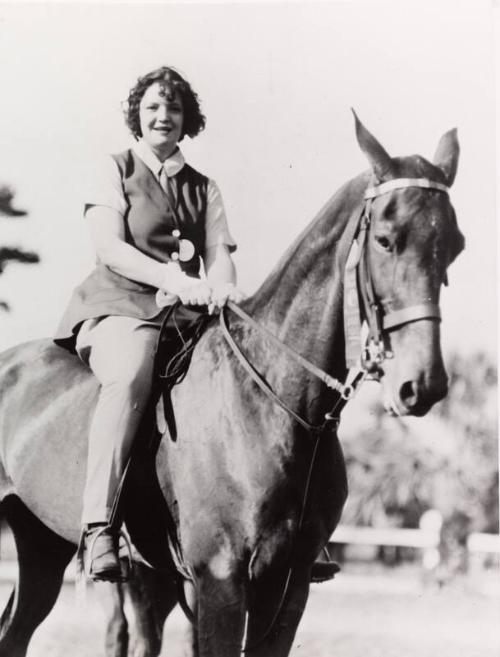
<point>163,114</point>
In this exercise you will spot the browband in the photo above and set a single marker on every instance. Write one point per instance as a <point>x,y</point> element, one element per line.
<point>401,183</point>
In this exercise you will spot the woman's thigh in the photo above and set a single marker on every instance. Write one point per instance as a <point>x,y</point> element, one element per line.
<point>119,348</point>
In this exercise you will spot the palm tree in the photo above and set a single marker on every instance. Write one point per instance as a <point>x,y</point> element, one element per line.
<point>8,253</point>
<point>398,468</point>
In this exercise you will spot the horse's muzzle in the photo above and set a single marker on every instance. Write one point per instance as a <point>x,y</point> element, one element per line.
<point>416,399</point>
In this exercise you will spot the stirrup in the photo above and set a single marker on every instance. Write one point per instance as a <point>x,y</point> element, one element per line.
<point>125,563</point>
<point>324,571</point>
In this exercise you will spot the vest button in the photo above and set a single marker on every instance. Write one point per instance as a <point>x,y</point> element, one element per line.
<point>176,232</point>
<point>174,255</point>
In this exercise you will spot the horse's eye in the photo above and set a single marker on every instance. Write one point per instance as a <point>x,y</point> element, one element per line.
<point>383,242</point>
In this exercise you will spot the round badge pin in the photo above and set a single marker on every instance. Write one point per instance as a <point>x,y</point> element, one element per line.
<point>186,250</point>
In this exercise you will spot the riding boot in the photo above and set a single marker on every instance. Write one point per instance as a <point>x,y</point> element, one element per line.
<point>101,549</point>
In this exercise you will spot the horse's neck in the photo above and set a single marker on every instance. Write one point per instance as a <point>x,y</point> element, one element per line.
<point>301,301</point>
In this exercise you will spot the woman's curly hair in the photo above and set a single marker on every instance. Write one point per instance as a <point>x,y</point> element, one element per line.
<point>194,120</point>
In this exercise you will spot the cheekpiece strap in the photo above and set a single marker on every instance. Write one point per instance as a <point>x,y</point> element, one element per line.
<point>401,183</point>
<point>352,314</point>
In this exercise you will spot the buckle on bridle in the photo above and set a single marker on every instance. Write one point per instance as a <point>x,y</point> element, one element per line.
<point>374,353</point>
<point>350,389</point>
<point>348,392</point>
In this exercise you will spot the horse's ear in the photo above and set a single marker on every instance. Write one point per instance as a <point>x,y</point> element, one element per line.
<point>446,157</point>
<point>380,160</point>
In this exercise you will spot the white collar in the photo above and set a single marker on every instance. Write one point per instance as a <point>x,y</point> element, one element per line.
<point>172,165</point>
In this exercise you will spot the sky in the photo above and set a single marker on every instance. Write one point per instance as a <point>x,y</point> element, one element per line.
<point>276,81</point>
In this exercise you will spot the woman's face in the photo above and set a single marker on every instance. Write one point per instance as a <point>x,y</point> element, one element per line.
<point>161,116</point>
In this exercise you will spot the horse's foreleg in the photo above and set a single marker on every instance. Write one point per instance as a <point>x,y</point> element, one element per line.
<point>271,628</point>
<point>42,559</point>
<point>220,615</point>
<point>111,597</point>
<point>153,595</point>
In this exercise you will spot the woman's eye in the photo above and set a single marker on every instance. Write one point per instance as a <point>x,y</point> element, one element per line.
<point>383,242</point>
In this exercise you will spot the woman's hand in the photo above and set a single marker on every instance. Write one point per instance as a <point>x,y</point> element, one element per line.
<point>222,293</point>
<point>198,294</point>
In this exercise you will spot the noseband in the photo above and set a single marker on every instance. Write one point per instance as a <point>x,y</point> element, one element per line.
<point>360,301</point>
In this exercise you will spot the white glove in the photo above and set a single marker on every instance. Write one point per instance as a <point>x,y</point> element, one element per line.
<point>224,292</point>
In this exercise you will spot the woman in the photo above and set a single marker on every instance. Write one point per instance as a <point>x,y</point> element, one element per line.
<point>153,219</point>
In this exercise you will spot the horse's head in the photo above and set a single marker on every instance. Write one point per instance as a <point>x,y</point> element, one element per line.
<point>411,239</point>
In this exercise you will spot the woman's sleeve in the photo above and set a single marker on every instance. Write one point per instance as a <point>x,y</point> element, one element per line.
<point>216,228</point>
<point>104,186</point>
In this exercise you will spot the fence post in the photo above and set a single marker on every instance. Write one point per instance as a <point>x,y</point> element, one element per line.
<point>431,523</point>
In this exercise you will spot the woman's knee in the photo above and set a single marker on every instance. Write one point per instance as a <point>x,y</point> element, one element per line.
<point>134,379</point>
<point>128,368</point>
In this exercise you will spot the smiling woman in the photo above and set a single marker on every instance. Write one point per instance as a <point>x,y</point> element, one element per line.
<point>161,117</point>
<point>153,220</point>
<point>163,87</point>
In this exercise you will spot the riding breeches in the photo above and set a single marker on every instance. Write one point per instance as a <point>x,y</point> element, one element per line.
<point>120,351</point>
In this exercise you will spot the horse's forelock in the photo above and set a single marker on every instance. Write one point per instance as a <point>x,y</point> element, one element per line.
<point>416,166</point>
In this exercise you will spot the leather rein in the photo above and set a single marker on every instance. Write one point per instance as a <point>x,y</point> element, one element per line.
<point>363,357</point>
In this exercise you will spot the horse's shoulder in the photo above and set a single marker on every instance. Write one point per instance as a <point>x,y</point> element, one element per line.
<point>211,351</point>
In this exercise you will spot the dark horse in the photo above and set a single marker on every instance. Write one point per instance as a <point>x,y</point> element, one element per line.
<point>235,480</point>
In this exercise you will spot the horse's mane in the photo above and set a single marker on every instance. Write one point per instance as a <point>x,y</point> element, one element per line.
<point>323,233</point>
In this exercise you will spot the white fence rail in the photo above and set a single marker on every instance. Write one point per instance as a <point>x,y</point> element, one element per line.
<point>416,538</point>
<point>488,543</point>
<point>427,537</point>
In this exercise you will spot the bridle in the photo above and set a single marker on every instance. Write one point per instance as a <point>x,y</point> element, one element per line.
<point>360,300</point>
<point>363,357</point>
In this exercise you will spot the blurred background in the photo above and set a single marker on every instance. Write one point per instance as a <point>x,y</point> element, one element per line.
<point>419,536</point>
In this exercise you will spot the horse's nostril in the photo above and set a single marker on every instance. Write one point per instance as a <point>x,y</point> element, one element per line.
<point>408,393</point>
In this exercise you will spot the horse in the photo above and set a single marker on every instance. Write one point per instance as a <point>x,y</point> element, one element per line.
<point>248,493</point>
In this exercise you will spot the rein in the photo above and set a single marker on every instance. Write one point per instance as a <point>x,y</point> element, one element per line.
<point>345,391</point>
<point>359,301</point>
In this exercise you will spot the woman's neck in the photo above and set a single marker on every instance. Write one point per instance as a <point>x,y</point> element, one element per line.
<point>163,153</point>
